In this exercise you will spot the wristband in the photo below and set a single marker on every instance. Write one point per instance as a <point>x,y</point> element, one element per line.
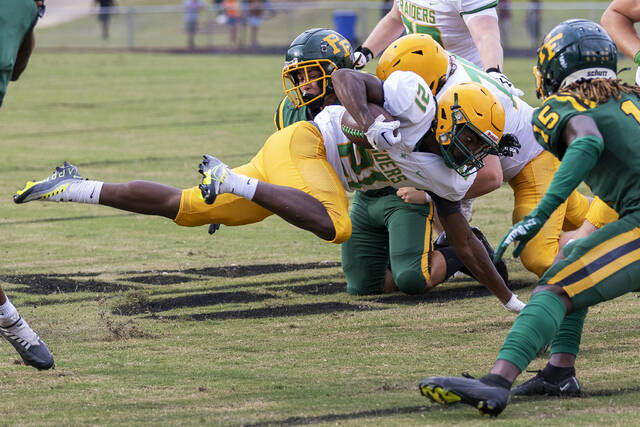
<point>366,52</point>
<point>636,58</point>
<point>514,305</point>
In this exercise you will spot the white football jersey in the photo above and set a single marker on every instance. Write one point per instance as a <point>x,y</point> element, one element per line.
<point>517,114</point>
<point>407,97</point>
<point>446,21</point>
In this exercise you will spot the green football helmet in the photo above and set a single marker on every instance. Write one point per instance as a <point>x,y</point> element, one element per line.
<point>574,50</point>
<point>318,49</point>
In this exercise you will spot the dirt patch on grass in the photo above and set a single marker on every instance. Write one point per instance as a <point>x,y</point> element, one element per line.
<point>44,284</point>
<point>280,311</point>
<point>198,300</point>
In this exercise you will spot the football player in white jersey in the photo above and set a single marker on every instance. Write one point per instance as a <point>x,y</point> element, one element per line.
<point>528,172</point>
<point>467,28</point>
<point>299,171</point>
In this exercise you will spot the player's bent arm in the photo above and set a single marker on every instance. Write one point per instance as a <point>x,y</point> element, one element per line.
<point>386,31</point>
<point>488,178</point>
<point>469,249</point>
<point>618,20</point>
<point>354,90</point>
<point>485,33</point>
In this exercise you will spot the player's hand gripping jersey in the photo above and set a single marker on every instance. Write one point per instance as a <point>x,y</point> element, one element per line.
<point>406,97</point>
<point>517,115</point>
<point>619,189</point>
<point>445,21</point>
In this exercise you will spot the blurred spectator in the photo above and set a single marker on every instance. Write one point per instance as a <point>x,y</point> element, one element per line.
<point>233,14</point>
<point>191,10</point>
<point>533,19</point>
<point>504,21</point>
<point>104,15</point>
<point>255,13</point>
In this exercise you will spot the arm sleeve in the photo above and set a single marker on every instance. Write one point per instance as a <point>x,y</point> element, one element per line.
<point>578,161</point>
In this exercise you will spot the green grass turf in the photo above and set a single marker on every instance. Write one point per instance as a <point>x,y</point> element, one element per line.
<point>151,323</point>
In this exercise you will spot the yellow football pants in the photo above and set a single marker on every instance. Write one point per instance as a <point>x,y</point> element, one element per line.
<point>600,214</point>
<point>294,157</point>
<point>528,188</point>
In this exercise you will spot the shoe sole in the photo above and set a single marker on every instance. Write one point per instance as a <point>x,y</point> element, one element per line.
<point>445,397</point>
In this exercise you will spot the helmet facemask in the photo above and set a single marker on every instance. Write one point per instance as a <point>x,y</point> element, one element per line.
<point>293,87</point>
<point>465,146</point>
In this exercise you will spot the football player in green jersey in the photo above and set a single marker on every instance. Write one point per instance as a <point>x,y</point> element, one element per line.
<point>18,18</point>
<point>590,121</point>
<point>380,219</point>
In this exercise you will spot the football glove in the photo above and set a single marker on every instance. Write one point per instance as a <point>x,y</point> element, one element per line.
<point>523,231</point>
<point>361,56</point>
<point>380,133</point>
<point>497,75</point>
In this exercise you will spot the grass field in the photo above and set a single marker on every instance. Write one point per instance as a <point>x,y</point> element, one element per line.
<point>155,324</point>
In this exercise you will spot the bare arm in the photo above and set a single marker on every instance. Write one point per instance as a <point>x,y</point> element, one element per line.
<point>486,36</point>
<point>618,20</point>
<point>488,178</point>
<point>473,255</point>
<point>579,126</point>
<point>386,31</point>
<point>354,90</point>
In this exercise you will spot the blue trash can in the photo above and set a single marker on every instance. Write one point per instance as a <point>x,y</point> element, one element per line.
<point>344,22</point>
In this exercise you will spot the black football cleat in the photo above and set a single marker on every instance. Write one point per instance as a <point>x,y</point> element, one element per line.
<point>28,344</point>
<point>539,386</point>
<point>450,390</point>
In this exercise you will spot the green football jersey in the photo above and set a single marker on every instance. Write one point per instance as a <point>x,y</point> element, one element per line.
<point>287,114</point>
<point>17,17</point>
<point>616,176</point>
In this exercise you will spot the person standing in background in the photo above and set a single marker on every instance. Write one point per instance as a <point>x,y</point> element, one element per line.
<point>104,15</point>
<point>191,10</point>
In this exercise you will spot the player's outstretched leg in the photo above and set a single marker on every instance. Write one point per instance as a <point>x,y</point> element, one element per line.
<point>28,344</point>
<point>489,399</point>
<point>53,188</point>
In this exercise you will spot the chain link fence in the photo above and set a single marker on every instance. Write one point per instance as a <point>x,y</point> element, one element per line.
<point>162,28</point>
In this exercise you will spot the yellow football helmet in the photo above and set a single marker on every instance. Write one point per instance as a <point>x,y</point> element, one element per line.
<point>470,123</point>
<point>419,53</point>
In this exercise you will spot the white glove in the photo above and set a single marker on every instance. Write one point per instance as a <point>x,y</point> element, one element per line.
<point>504,81</point>
<point>638,76</point>
<point>361,56</point>
<point>380,133</point>
<point>514,305</point>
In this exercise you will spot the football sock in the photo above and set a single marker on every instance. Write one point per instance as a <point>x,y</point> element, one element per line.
<point>238,184</point>
<point>81,191</point>
<point>452,260</point>
<point>567,339</point>
<point>536,325</point>
<point>8,314</point>
<point>555,375</point>
<point>496,381</point>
